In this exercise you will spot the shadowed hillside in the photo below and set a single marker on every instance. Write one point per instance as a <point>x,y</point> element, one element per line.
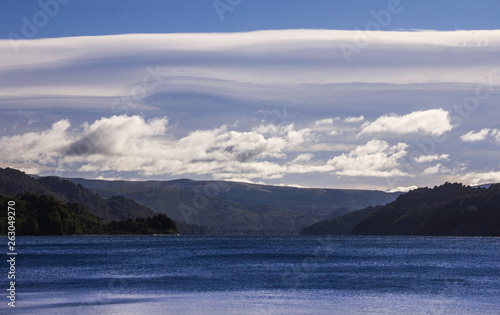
<point>450,209</point>
<point>232,207</point>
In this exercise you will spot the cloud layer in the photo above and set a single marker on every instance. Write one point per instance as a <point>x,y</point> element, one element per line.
<point>408,108</point>
<point>434,122</point>
<point>132,144</point>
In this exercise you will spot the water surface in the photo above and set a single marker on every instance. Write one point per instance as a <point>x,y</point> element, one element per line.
<point>257,275</point>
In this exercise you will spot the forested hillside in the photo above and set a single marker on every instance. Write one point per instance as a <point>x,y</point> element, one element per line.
<point>113,209</point>
<point>450,209</point>
<point>34,214</point>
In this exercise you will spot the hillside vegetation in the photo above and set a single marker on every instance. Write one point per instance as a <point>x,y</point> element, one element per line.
<point>446,210</point>
<point>113,209</point>
<point>240,208</point>
<point>45,215</point>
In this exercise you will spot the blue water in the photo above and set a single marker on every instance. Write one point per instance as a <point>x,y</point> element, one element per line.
<point>256,275</point>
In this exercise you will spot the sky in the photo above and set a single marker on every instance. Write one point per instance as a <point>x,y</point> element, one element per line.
<point>387,95</point>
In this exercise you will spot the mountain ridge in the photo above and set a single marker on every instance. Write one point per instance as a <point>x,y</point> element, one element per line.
<point>446,210</point>
<point>249,208</point>
<point>114,209</point>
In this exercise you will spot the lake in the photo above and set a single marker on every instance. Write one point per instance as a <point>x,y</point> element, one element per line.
<point>255,275</point>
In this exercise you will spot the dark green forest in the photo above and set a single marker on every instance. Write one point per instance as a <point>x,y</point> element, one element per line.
<point>45,215</point>
<point>446,210</point>
<point>341,225</point>
<point>113,209</point>
<point>449,209</point>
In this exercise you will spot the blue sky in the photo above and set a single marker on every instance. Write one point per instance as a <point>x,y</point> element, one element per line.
<point>363,94</point>
<point>97,17</point>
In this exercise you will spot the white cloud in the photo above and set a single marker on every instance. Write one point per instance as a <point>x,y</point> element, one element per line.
<point>43,147</point>
<point>305,157</point>
<point>402,189</point>
<point>480,178</point>
<point>472,136</point>
<point>289,185</point>
<point>326,121</point>
<point>433,169</point>
<point>336,132</point>
<point>375,158</point>
<point>431,158</point>
<point>495,133</point>
<point>432,121</point>
<point>108,178</point>
<point>354,119</point>
<point>206,82</point>
<point>131,144</point>
<point>122,63</point>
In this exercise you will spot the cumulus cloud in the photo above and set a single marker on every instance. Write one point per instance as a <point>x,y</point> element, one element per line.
<point>433,169</point>
<point>354,119</point>
<point>43,147</point>
<point>432,121</point>
<point>495,133</point>
<point>375,158</point>
<point>132,144</point>
<point>472,136</point>
<point>431,158</point>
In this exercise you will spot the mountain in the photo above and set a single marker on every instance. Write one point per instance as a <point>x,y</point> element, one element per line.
<point>45,215</point>
<point>197,206</point>
<point>114,209</point>
<point>234,208</point>
<point>449,209</point>
<point>340,225</point>
<point>13,181</point>
<point>307,199</point>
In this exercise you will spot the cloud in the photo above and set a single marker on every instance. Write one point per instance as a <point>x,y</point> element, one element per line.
<point>480,178</point>
<point>432,121</point>
<point>354,119</point>
<point>472,136</point>
<point>495,133</point>
<point>43,147</point>
<point>326,121</point>
<point>375,158</point>
<point>431,158</point>
<point>336,132</point>
<point>401,189</point>
<point>117,136</point>
<point>134,67</point>
<point>305,157</point>
<point>131,144</point>
<point>204,83</point>
<point>433,169</point>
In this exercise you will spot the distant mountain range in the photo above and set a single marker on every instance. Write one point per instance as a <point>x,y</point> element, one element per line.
<point>449,209</point>
<point>115,208</point>
<point>199,207</point>
<point>220,207</point>
<point>240,208</point>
